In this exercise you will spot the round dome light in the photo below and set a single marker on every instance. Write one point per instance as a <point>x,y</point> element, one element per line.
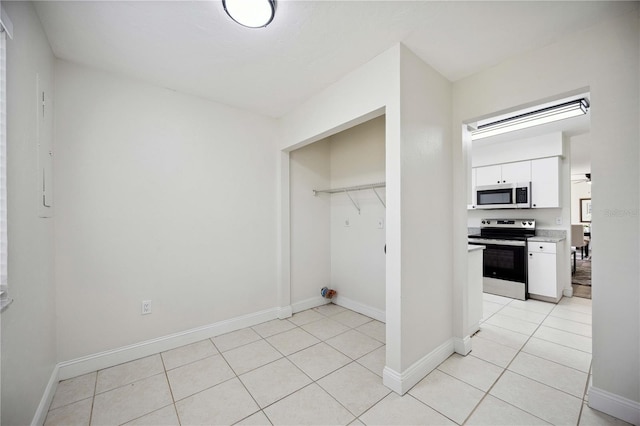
<point>250,13</point>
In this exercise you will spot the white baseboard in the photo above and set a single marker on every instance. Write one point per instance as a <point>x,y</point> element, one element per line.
<point>462,346</point>
<point>358,307</point>
<point>313,302</point>
<point>87,364</point>
<point>614,405</point>
<point>400,383</point>
<point>285,312</point>
<point>43,408</point>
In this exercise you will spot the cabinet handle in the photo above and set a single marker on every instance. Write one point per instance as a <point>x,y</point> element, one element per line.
<point>530,254</point>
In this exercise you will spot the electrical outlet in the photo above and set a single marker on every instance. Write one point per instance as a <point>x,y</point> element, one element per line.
<point>347,223</point>
<point>381,223</point>
<point>559,220</point>
<point>146,307</point>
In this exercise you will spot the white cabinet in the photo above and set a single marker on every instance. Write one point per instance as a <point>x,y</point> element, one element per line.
<point>504,173</point>
<point>545,183</point>
<point>543,270</point>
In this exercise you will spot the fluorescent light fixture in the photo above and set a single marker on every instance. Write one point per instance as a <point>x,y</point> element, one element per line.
<point>530,119</point>
<point>250,13</point>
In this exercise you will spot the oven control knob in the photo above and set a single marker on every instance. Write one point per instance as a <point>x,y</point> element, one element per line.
<point>524,223</point>
<point>530,223</point>
<point>483,222</point>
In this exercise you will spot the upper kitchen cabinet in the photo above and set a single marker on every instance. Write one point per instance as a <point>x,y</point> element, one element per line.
<point>545,182</point>
<point>503,173</point>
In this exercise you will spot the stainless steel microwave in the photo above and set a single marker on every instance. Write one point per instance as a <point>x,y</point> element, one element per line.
<point>504,196</point>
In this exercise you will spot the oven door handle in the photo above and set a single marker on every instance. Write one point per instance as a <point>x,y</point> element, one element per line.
<point>497,242</point>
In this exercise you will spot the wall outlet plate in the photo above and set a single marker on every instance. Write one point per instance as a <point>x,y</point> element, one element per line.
<point>347,222</point>
<point>559,220</point>
<point>146,307</point>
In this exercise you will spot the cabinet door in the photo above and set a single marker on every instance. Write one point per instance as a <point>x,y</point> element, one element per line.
<point>516,172</point>
<point>488,175</point>
<point>545,182</point>
<point>542,274</point>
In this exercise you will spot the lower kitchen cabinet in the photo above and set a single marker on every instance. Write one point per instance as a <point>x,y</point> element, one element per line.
<point>543,271</point>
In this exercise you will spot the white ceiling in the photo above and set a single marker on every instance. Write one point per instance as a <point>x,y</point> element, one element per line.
<point>193,47</point>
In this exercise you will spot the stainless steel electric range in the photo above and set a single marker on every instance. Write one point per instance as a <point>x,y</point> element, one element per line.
<point>505,256</point>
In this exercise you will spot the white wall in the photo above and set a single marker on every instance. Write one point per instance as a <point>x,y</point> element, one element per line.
<point>357,251</point>
<point>604,59</point>
<point>160,196</point>
<point>310,223</point>
<point>425,153</point>
<point>578,190</point>
<point>548,145</point>
<point>28,325</point>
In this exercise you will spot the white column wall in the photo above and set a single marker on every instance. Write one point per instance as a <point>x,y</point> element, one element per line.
<point>426,287</point>
<point>162,197</point>
<point>28,325</point>
<point>604,59</point>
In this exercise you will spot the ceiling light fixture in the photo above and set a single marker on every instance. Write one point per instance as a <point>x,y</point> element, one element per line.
<point>530,119</point>
<point>250,13</point>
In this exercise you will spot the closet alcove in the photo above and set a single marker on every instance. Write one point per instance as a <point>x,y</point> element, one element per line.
<point>337,219</point>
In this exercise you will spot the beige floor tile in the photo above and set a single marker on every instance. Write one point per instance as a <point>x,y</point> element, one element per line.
<point>568,325</point>
<point>496,299</point>
<point>198,376</point>
<point>356,422</point>
<point>129,372</point>
<point>235,339</point>
<point>188,353</point>
<point>225,404</point>
<point>562,312</point>
<point>274,381</point>
<point>325,328</point>
<point>131,401</point>
<point>490,308</point>
<point>272,327</point>
<point>511,323</point>
<point>354,344</point>
<point>319,360</point>
<point>533,305</point>
<point>251,356</point>
<point>375,360</point>
<point>308,406</point>
<point>447,395</point>
<point>375,329</point>
<point>550,373</point>
<point>542,401</point>
<point>564,338</point>
<point>577,304</point>
<point>523,314</point>
<point>492,352</point>
<point>74,390</point>
<point>329,309</point>
<point>471,370</point>
<point>292,341</point>
<point>77,413</point>
<point>257,419</point>
<point>351,319</point>
<point>502,336</point>
<point>305,317</point>
<point>591,417</point>
<point>557,353</point>
<point>166,416</point>
<point>494,412</point>
<point>355,387</point>
<point>403,410</point>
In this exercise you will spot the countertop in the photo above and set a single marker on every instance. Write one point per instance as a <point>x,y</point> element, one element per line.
<point>471,247</point>
<point>541,239</point>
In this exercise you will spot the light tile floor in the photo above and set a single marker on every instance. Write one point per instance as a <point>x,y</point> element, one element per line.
<point>530,365</point>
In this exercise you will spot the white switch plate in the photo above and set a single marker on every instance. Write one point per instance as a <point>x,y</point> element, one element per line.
<point>558,220</point>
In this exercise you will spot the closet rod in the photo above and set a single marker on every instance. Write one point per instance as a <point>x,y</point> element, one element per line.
<point>350,188</point>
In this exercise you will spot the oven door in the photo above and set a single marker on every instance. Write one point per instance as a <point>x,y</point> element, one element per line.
<point>504,267</point>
